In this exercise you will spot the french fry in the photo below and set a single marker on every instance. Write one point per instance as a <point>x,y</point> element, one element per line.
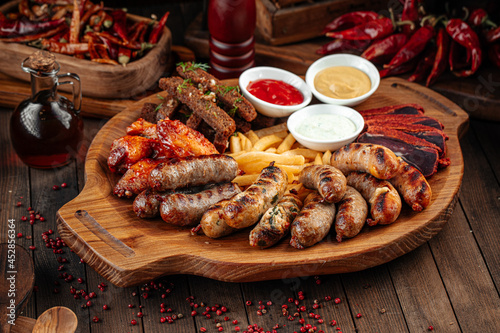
<point>286,144</point>
<point>266,142</point>
<point>253,156</point>
<point>246,144</point>
<point>252,137</point>
<point>318,159</point>
<point>271,150</point>
<point>234,144</point>
<point>309,154</point>
<point>245,180</point>
<point>326,157</point>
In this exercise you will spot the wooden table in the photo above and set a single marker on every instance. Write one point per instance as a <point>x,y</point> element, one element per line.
<point>451,283</point>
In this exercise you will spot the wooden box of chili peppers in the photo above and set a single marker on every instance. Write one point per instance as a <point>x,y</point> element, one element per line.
<point>299,21</point>
<point>115,54</point>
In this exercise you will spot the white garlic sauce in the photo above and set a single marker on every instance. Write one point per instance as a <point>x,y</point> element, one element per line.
<point>326,127</point>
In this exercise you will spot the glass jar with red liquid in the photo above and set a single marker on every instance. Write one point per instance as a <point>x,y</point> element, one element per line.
<point>46,130</point>
<point>231,24</point>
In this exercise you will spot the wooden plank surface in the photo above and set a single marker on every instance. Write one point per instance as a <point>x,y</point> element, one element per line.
<point>125,250</point>
<point>411,279</point>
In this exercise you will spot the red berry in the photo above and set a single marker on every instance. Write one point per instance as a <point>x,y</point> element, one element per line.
<point>358,315</point>
<point>105,307</point>
<point>430,328</point>
<point>63,185</point>
<point>133,322</point>
<point>95,319</point>
<point>337,300</point>
<point>193,313</point>
<point>139,314</point>
<point>19,234</point>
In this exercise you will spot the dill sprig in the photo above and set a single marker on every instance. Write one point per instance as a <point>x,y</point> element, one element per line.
<point>193,66</point>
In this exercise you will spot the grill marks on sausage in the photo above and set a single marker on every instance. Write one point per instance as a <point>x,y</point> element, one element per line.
<point>351,215</point>
<point>328,180</point>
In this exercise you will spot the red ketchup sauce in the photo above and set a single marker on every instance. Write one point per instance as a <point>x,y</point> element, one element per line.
<point>275,92</point>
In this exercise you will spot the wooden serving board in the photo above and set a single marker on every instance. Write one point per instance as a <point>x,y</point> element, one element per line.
<point>104,231</point>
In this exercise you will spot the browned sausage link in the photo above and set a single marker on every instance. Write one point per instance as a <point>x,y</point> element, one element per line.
<point>384,200</point>
<point>275,223</point>
<point>193,171</point>
<point>328,180</point>
<point>213,224</point>
<point>351,214</point>
<point>187,209</point>
<point>147,203</point>
<point>246,209</point>
<point>376,160</point>
<point>313,222</point>
<point>412,186</point>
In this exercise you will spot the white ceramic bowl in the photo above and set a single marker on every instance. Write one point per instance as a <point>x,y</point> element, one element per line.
<point>298,118</point>
<point>269,109</point>
<point>343,60</point>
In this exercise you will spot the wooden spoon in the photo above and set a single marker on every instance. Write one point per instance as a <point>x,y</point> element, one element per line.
<point>58,319</point>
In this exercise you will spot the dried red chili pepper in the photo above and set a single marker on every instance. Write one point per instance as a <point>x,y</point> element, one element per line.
<point>383,50</point>
<point>74,27</point>
<point>62,36</point>
<point>494,54</point>
<point>457,57</point>
<point>410,13</point>
<point>112,48</point>
<point>23,27</point>
<point>440,61</point>
<point>65,48</point>
<point>477,17</point>
<point>30,38</point>
<point>403,68</point>
<point>343,46</point>
<point>350,20</point>
<point>25,10</point>
<point>137,30</point>
<point>492,35</point>
<point>155,34</point>
<point>120,24</point>
<point>93,8</point>
<point>2,17</point>
<point>124,55</point>
<point>415,45</point>
<point>105,61</point>
<point>371,30</point>
<point>119,41</point>
<point>424,65</point>
<point>463,34</point>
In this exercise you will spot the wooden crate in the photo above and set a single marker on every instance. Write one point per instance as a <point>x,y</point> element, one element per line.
<point>302,21</point>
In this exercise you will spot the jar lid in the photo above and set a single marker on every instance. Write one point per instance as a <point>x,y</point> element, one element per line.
<point>41,61</point>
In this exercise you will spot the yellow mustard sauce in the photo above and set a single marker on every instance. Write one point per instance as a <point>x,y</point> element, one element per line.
<point>342,82</point>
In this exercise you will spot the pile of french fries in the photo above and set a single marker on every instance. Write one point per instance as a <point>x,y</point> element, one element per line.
<point>254,151</point>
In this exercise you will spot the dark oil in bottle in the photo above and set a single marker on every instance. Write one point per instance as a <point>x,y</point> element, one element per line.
<point>45,131</point>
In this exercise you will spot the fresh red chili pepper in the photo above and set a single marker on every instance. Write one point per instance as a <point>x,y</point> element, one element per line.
<point>350,20</point>
<point>403,68</point>
<point>155,34</point>
<point>494,54</point>
<point>415,45</point>
<point>74,27</point>
<point>492,35</point>
<point>383,50</point>
<point>463,34</point>
<point>343,46</point>
<point>120,24</point>
<point>371,30</point>
<point>440,61</point>
<point>423,65</point>
<point>410,13</point>
<point>65,48</point>
<point>23,27</point>
<point>30,38</point>
<point>124,55</point>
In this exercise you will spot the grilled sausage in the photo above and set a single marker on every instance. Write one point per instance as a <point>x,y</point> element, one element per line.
<point>212,222</point>
<point>376,160</point>
<point>193,171</point>
<point>412,186</point>
<point>246,208</point>
<point>384,200</point>
<point>275,223</point>
<point>328,180</point>
<point>187,209</point>
<point>147,203</point>
<point>313,222</point>
<point>351,214</point>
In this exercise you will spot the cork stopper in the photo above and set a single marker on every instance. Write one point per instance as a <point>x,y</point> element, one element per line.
<point>42,61</point>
